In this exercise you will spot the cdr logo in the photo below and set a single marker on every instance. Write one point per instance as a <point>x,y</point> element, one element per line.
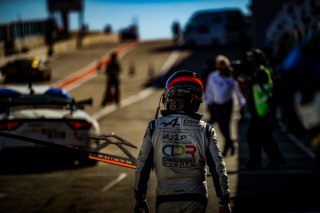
<point>177,150</point>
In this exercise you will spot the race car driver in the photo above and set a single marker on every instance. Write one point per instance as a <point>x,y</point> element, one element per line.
<point>179,146</point>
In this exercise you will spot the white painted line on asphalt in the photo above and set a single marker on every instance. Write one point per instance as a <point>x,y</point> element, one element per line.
<point>78,72</point>
<point>106,110</point>
<point>84,80</point>
<point>302,146</point>
<point>298,143</point>
<point>92,75</point>
<point>135,98</point>
<point>124,103</point>
<point>170,61</point>
<point>141,95</point>
<point>113,183</point>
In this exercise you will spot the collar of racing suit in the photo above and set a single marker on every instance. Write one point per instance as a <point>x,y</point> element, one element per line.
<point>191,114</point>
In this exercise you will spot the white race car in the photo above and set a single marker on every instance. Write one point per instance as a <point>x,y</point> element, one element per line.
<point>45,113</point>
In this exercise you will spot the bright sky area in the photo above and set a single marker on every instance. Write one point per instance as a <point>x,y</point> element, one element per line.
<point>154,17</point>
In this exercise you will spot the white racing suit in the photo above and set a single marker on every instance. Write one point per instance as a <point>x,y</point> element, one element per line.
<point>177,147</point>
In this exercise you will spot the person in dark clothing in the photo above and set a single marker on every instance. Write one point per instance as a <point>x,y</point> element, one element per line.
<point>112,71</point>
<point>176,31</point>
<point>259,134</point>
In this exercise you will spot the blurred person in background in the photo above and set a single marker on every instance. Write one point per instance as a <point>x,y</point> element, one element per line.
<point>261,109</point>
<point>302,73</point>
<point>176,32</point>
<point>112,92</point>
<point>178,146</point>
<point>219,92</point>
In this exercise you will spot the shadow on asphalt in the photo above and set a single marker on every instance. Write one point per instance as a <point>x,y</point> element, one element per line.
<point>293,187</point>
<point>39,160</point>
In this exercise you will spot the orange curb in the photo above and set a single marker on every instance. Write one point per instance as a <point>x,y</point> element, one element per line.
<point>94,68</point>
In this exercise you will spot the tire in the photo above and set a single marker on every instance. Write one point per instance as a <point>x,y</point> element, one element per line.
<point>87,162</point>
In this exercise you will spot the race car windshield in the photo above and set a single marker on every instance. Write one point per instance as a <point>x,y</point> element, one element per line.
<point>36,101</point>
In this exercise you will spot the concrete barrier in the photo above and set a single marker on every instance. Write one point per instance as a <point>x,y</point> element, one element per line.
<point>38,48</point>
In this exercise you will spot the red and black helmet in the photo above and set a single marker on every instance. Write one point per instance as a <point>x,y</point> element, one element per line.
<point>187,80</point>
<point>185,85</point>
